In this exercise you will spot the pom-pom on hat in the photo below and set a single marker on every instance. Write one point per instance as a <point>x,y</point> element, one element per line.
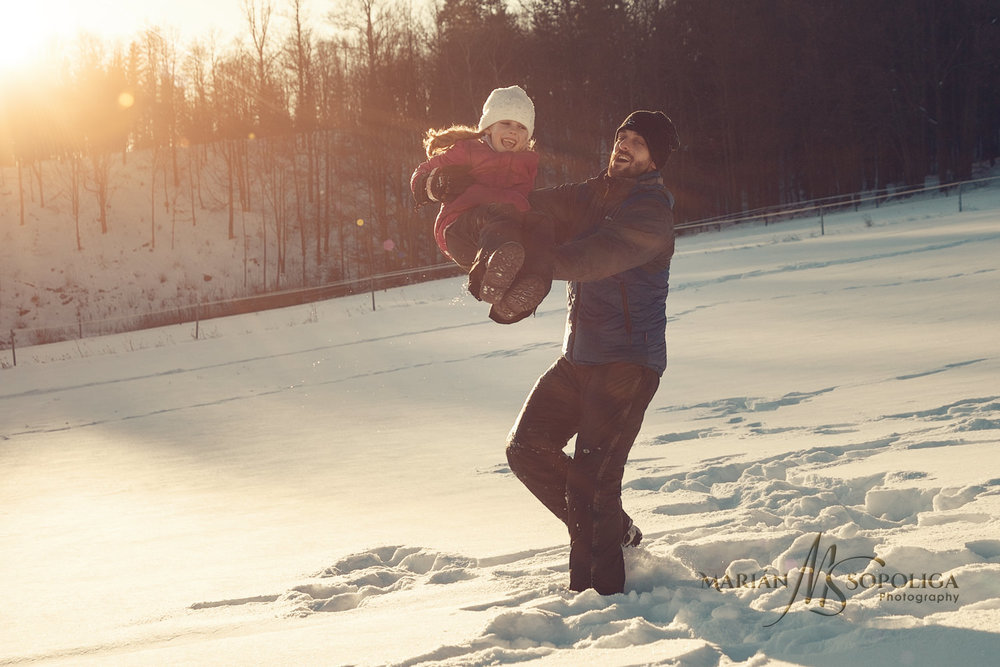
<point>658,131</point>
<point>509,104</point>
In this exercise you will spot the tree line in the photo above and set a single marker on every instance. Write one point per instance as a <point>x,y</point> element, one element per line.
<point>318,122</point>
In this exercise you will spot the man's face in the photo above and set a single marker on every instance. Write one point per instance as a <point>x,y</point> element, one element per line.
<point>630,157</point>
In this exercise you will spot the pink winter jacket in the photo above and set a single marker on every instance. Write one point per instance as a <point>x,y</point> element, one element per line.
<point>501,177</point>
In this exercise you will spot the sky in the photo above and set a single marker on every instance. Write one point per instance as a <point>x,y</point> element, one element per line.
<point>29,26</point>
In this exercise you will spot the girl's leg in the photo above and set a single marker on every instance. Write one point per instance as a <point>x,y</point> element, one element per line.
<point>462,237</point>
<point>501,253</point>
<point>534,281</point>
<point>485,242</point>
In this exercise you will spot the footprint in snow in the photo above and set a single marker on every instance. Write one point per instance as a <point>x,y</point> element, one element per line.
<point>350,581</point>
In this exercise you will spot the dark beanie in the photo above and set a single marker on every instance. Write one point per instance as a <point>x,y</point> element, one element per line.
<point>657,130</point>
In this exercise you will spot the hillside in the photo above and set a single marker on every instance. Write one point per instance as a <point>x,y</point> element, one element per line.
<point>108,282</point>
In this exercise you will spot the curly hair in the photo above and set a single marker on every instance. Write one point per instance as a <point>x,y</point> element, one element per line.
<point>438,141</point>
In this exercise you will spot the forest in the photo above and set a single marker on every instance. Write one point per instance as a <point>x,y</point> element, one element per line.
<point>319,123</point>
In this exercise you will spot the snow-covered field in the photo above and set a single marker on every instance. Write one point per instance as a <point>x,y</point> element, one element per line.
<point>818,477</point>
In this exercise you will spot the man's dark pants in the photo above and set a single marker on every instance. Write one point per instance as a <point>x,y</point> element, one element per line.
<point>603,405</point>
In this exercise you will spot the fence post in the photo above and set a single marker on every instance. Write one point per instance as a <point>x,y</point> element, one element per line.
<point>13,349</point>
<point>959,197</point>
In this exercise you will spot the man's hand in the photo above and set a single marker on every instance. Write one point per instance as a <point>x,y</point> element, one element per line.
<point>446,183</point>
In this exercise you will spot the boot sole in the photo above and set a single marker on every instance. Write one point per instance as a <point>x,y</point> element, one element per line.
<point>523,296</point>
<point>501,268</point>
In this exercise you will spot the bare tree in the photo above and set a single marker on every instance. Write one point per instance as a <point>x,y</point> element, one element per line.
<point>105,117</point>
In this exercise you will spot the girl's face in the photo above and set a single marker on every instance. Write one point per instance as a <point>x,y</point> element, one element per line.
<point>507,135</point>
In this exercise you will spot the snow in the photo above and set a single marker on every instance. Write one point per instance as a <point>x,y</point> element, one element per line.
<point>326,484</point>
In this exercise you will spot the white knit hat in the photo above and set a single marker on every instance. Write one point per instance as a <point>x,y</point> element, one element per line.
<point>509,104</point>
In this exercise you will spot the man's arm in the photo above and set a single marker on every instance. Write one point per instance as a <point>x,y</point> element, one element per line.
<point>564,206</point>
<point>640,233</point>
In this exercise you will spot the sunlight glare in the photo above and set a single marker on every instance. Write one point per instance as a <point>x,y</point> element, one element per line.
<point>23,35</point>
<point>32,30</point>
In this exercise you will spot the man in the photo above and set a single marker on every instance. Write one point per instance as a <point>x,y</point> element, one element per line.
<point>614,240</point>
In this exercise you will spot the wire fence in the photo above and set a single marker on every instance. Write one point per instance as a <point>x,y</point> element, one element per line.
<point>199,311</point>
<point>822,207</point>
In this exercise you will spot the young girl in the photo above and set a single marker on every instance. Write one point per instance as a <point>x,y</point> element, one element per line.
<point>481,177</point>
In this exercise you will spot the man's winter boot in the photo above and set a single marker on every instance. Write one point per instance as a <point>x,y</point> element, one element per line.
<point>632,536</point>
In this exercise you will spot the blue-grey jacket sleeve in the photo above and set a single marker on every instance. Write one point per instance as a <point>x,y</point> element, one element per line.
<point>639,233</point>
